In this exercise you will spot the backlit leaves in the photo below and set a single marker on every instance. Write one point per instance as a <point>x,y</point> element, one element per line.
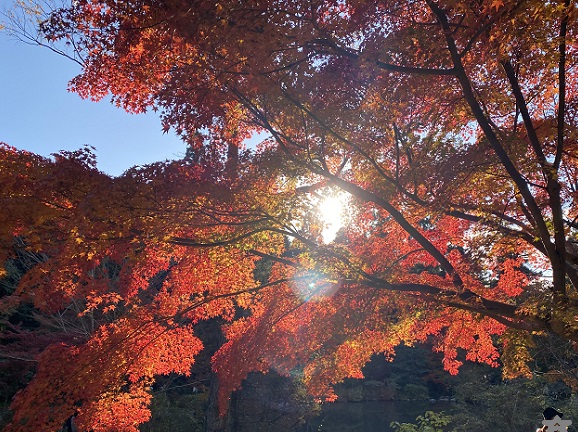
<point>449,125</point>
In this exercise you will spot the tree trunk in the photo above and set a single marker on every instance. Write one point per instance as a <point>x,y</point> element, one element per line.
<point>214,421</point>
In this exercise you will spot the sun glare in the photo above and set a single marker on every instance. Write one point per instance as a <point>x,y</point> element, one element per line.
<point>332,211</point>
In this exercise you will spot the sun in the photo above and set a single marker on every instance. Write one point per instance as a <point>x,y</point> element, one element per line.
<point>332,211</point>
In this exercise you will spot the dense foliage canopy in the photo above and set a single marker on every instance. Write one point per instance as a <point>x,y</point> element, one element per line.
<point>451,126</point>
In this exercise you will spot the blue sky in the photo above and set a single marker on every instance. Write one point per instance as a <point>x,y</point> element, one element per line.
<point>38,114</point>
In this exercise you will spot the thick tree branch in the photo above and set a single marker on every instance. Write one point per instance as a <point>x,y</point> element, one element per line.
<point>467,300</point>
<point>561,88</point>
<point>368,196</point>
<point>274,258</point>
<point>183,241</point>
<point>555,254</point>
<point>523,108</point>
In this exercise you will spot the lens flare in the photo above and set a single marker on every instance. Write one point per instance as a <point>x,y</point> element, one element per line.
<point>313,287</point>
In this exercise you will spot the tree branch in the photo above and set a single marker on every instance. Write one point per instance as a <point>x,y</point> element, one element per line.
<point>469,96</point>
<point>561,87</point>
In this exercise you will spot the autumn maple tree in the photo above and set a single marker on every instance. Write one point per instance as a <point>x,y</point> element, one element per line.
<point>451,126</point>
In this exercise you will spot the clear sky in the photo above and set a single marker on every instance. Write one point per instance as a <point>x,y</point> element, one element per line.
<point>38,114</point>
